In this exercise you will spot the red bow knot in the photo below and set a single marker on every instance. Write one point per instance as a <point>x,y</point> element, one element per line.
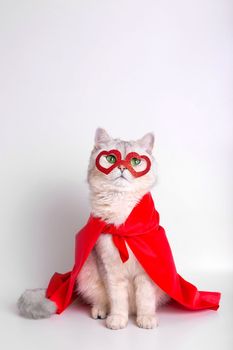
<point>121,246</point>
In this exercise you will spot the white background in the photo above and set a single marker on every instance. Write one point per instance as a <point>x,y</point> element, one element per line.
<point>131,67</point>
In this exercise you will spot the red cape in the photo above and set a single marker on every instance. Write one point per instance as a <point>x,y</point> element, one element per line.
<point>147,240</point>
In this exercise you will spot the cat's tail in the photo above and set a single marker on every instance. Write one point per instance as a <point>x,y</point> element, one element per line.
<point>34,304</point>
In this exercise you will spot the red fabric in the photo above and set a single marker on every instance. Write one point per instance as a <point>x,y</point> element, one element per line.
<point>147,240</point>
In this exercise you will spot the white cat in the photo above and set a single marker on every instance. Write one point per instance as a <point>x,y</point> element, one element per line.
<point>112,288</point>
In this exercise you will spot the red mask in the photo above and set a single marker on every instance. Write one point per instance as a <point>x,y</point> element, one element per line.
<point>125,162</point>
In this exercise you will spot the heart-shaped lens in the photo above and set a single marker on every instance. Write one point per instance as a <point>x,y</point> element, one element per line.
<point>106,161</point>
<point>139,165</point>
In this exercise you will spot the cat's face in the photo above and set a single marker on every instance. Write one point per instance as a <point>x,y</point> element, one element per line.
<point>120,166</point>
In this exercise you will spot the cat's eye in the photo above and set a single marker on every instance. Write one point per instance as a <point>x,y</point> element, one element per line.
<point>111,159</point>
<point>135,161</point>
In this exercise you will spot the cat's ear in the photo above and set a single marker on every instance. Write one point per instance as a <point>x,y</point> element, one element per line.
<point>101,137</point>
<point>147,142</point>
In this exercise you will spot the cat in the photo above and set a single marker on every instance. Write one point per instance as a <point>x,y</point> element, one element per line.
<point>114,289</point>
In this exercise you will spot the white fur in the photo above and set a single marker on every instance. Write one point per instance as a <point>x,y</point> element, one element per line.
<point>113,289</point>
<point>33,304</point>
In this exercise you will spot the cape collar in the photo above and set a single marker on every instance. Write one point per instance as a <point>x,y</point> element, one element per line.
<point>142,219</point>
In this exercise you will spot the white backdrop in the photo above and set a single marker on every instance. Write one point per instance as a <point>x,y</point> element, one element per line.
<point>131,67</point>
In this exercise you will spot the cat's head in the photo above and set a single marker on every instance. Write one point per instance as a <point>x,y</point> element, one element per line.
<point>120,166</point>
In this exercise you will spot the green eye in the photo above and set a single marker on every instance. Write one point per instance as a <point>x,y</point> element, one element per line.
<point>135,161</point>
<point>111,159</point>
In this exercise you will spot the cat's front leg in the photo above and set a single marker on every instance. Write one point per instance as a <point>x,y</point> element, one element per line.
<point>115,281</point>
<point>118,297</point>
<point>145,294</point>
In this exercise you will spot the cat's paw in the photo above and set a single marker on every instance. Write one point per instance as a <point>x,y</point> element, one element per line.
<point>147,321</point>
<point>98,311</point>
<point>116,321</point>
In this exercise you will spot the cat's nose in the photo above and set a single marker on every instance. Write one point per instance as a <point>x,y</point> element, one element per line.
<point>121,167</point>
